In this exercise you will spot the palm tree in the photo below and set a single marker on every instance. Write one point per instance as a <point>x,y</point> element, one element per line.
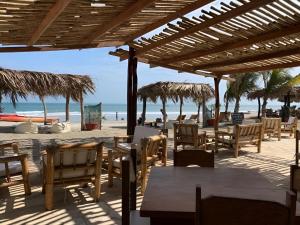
<point>228,97</point>
<point>243,84</point>
<point>273,80</point>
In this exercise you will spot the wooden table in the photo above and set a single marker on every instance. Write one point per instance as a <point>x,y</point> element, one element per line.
<point>25,172</point>
<point>171,191</point>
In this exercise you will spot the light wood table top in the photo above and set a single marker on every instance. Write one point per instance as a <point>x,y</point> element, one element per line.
<point>171,191</point>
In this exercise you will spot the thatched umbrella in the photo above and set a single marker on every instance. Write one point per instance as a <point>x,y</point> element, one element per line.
<point>22,83</point>
<point>175,91</point>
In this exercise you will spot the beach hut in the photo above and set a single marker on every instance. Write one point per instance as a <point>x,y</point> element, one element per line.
<point>21,83</point>
<point>175,91</point>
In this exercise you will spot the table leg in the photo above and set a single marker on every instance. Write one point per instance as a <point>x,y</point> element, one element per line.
<point>25,173</point>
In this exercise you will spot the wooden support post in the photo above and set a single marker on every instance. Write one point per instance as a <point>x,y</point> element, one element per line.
<point>144,110</point>
<point>68,107</point>
<point>82,111</point>
<point>217,110</point>
<point>131,92</point>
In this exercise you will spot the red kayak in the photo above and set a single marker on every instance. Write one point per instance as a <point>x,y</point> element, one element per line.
<point>18,118</point>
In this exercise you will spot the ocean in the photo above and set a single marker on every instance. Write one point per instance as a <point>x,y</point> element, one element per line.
<point>109,110</point>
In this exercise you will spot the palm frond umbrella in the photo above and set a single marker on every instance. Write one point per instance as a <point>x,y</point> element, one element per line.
<point>22,83</point>
<point>174,91</point>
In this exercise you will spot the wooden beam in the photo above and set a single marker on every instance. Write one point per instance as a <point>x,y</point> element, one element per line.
<point>260,68</point>
<point>269,35</point>
<point>117,20</point>
<point>186,70</point>
<point>191,7</point>
<point>206,24</point>
<point>249,59</point>
<point>51,16</point>
<point>59,47</point>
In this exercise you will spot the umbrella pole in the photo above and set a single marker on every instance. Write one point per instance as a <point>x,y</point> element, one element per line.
<point>259,107</point>
<point>164,111</point>
<point>45,110</point>
<point>68,107</point>
<point>144,110</point>
<point>180,109</point>
<point>198,112</point>
<point>81,111</point>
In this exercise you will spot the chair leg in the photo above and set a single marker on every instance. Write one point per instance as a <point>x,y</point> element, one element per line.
<point>49,196</point>
<point>25,174</point>
<point>236,151</point>
<point>97,189</point>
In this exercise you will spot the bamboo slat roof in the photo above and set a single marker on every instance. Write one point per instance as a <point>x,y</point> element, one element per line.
<point>14,83</point>
<point>31,25</point>
<point>241,36</point>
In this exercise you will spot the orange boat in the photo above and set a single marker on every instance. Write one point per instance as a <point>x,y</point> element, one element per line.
<point>18,118</point>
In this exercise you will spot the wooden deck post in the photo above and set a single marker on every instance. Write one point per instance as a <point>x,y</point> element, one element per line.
<point>131,92</point>
<point>217,109</point>
<point>68,107</point>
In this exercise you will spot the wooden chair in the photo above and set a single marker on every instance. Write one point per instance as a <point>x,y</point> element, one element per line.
<point>290,127</point>
<point>130,216</point>
<point>180,118</point>
<point>242,135</point>
<point>13,163</point>
<point>125,143</point>
<point>193,117</point>
<point>68,164</point>
<point>194,157</point>
<point>219,210</point>
<point>187,134</point>
<point>271,126</point>
<point>147,155</point>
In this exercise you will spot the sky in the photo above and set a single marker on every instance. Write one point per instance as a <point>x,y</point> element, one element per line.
<point>107,72</point>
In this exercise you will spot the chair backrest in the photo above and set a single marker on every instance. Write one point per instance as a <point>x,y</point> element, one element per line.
<point>180,117</point>
<point>193,117</point>
<point>194,157</point>
<point>237,118</point>
<point>187,133</point>
<point>151,145</point>
<point>143,132</point>
<point>74,160</point>
<point>248,132</point>
<point>8,147</point>
<point>239,211</point>
<point>271,123</point>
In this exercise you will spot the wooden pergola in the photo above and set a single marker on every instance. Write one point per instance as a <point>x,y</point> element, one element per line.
<point>241,36</point>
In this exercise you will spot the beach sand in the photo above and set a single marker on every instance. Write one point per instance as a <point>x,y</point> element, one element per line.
<point>75,205</point>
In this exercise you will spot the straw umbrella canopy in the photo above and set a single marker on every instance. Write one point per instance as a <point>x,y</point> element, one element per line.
<point>23,83</point>
<point>174,91</point>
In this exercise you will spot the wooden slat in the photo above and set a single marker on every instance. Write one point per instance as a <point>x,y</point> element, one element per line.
<point>249,59</point>
<point>116,21</point>
<point>260,68</point>
<point>206,24</point>
<point>51,16</point>
<point>237,44</point>
<point>171,17</point>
